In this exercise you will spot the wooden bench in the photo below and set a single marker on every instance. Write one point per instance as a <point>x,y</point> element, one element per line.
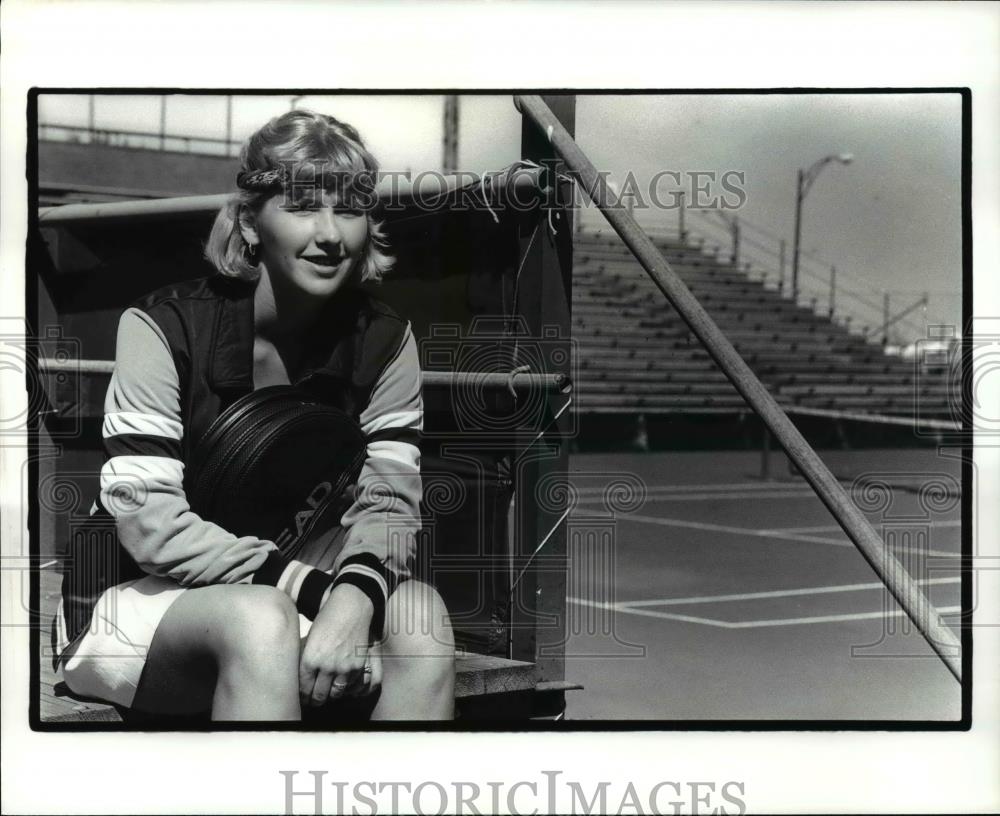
<point>486,687</point>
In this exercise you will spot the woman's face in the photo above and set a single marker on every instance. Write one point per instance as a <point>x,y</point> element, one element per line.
<point>315,246</point>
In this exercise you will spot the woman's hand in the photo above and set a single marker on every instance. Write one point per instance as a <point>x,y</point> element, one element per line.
<point>337,649</point>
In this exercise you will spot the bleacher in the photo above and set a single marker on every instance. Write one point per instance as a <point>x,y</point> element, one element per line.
<point>636,355</point>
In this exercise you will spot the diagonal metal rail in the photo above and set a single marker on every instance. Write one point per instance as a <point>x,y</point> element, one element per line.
<point>892,573</point>
<point>883,327</point>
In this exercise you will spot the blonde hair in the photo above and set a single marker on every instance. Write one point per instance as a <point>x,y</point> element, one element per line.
<point>296,136</point>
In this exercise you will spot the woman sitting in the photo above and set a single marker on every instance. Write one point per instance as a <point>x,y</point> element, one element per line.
<point>196,618</point>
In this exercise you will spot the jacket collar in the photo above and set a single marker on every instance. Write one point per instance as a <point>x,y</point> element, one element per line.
<point>334,337</point>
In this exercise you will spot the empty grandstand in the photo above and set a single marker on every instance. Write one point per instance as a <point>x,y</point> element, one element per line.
<point>650,364</point>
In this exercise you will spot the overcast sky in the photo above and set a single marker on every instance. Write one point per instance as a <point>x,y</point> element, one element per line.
<point>889,220</point>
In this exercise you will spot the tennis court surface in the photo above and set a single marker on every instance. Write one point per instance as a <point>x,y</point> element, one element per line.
<point>723,596</point>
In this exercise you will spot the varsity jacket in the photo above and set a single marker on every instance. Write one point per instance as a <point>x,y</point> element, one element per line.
<point>184,353</point>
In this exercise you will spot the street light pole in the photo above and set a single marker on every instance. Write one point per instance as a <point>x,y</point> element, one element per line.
<point>798,238</point>
<point>804,181</point>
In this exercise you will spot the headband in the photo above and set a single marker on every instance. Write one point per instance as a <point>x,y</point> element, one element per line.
<point>260,179</point>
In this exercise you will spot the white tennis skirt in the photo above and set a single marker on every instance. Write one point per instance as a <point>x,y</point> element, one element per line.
<point>107,659</point>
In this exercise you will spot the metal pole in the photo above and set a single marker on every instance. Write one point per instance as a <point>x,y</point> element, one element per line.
<point>833,289</point>
<point>525,381</point>
<point>902,587</point>
<point>229,124</point>
<point>163,121</point>
<point>765,455</point>
<point>798,237</point>
<point>680,219</point>
<point>885,318</point>
<point>91,118</point>
<point>450,159</point>
<point>538,609</point>
<point>431,187</point>
<point>781,266</point>
<point>736,242</point>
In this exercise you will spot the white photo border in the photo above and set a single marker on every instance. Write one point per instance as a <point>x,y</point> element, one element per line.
<point>497,45</point>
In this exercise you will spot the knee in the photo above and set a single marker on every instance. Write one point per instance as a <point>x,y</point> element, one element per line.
<point>417,625</point>
<point>261,621</point>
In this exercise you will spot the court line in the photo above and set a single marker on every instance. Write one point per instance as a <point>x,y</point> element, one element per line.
<point>725,528</point>
<point>662,615</point>
<point>742,531</point>
<point>778,593</point>
<point>754,624</point>
<point>853,616</point>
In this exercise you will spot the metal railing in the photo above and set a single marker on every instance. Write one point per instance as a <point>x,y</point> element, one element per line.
<point>138,139</point>
<point>844,298</point>
<point>492,380</point>
<point>866,312</point>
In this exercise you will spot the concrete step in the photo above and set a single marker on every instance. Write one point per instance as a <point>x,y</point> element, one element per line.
<point>701,374</point>
<point>629,379</point>
<point>666,401</point>
<point>869,389</point>
<point>588,388</point>
<point>872,403</point>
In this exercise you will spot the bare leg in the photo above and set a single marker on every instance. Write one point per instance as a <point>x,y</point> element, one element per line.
<point>418,657</point>
<point>230,648</point>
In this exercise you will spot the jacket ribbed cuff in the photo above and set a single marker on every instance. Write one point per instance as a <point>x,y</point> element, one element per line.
<point>306,586</point>
<point>373,578</point>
